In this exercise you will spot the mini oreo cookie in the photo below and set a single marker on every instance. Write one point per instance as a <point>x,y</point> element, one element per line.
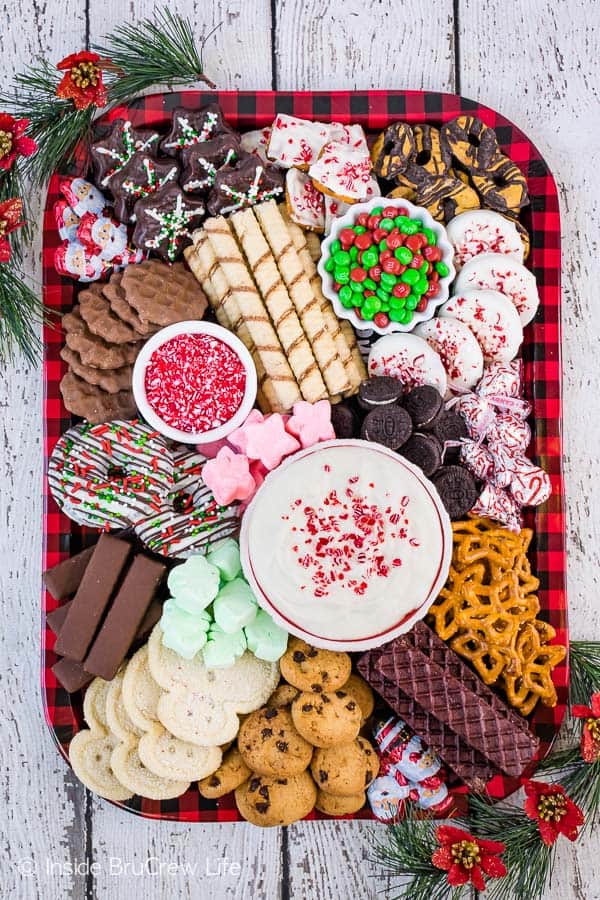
<point>345,421</point>
<point>424,451</point>
<point>457,489</point>
<point>423,405</point>
<point>387,425</point>
<point>450,426</point>
<point>381,390</point>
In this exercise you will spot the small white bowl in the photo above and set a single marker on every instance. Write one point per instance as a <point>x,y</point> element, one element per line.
<point>414,212</point>
<point>139,378</point>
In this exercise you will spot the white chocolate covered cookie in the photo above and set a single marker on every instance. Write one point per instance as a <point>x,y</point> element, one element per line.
<point>499,272</point>
<point>408,358</point>
<point>483,231</point>
<point>493,320</point>
<point>458,349</point>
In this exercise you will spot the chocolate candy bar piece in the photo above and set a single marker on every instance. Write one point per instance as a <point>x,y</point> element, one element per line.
<point>63,579</point>
<point>71,675</point>
<point>56,619</point>
<point>93,596</point>
<point>468,764</point>
<point>124,617</point>
<point>427,670</point>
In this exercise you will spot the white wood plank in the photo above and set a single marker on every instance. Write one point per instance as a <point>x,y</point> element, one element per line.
<point>236,57</point>
<point>354,45</point>
<point>42,828</point>
<point>543,75</point>
<point>357,45</point>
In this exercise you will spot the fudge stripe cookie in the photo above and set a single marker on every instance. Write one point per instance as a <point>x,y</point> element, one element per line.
<point>202,261</point>
<point>277,300</point>
<point>307,305</point>
<point>356,373</point>
<point>254,312</point>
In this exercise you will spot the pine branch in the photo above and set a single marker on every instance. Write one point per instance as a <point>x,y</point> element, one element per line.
<point>152,52</point>
<point>20,311</point>
<point>528,860</point>
<point>585,671</point>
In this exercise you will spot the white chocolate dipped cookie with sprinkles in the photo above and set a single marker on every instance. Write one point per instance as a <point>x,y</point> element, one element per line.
<point>189,518</point>
<point>458,349</point>
<point>110,475</point>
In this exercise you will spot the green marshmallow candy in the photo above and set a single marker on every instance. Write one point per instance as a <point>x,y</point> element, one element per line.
<point>234,606</point>
<point>195,584</point>
<point>184,633</point>
<point>222,650</point>
<point>225,555</point>
<point>265,638</point>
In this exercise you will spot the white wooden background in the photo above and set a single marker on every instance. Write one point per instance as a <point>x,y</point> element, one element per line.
<point>537,62</point>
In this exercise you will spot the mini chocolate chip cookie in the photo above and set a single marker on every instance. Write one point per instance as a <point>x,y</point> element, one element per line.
<point>268,801</point>
<point>312,669</point>
<point>358,688</point>
<point>232,772</point>
<point>270,744</point>
<point>284,695</point>
<point>345,769</point>
<point>328,718</point>
<point>340,806</point>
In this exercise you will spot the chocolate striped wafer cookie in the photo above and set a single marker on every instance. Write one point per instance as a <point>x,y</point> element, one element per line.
<point>356,373</point>
<point>302,295</point>
<point>279,305</point>
<point>203,263</point>
<point>254,313</point>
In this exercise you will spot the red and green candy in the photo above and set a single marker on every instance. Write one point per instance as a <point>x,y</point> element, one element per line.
<point>386,266</point>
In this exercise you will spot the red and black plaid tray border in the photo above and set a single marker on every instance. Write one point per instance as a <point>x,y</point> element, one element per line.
<point>374,110</point>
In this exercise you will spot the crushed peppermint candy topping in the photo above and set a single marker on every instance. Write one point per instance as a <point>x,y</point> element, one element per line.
<point>195,382</point>
<point>342,540</point>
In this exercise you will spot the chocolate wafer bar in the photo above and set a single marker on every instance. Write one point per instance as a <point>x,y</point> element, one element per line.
<point>63,579</point>
<point>71,675</point>
<point>93,596</point>
<point>427,670</point>
<point>468,764</point>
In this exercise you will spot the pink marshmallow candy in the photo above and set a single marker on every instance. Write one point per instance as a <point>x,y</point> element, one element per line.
<point>311,422</point>
<point>268,441</point>
<point>228,476</point>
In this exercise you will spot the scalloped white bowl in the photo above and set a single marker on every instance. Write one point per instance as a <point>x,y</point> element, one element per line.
<point>414,212</point>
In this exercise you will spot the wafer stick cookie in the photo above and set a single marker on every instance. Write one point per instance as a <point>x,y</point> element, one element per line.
<point>255,315</point>
<point>280,307</point>
<point>303,298</point>
<point>314,246</point>
<point>203,263</point>
<point>332,323</point>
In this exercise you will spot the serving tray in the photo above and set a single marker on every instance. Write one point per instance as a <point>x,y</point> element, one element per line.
<point>374,110</point>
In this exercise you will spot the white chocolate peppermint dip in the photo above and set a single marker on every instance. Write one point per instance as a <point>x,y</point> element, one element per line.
<point>346,544</point>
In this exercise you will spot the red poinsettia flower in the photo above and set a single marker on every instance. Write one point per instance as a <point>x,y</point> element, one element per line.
<point>82,82</point>
<point>10,220</point>
<point>13,140</point>
<point>466,858</point>
<point>590,736</point>
<point>553,810</point>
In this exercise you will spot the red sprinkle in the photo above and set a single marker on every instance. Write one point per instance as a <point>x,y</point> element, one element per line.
<point>195,382</point>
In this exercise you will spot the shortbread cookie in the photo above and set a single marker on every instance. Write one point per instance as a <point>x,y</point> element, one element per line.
<point>327,718</point>
<point>271,745</point>
<point>117,718</point>
<point>279,305</point>
<point>333,805</point>
<point>346,768</point>
<point>302,296</point>
<point>131,772</point>
<point>90,755</point>
<point>97,314</point>
<point>268,801</point>
<point>313,669</point>
<point>140,693</point>
<point>92,403</point>
<point>168,757</point>
<point>253,312</point>
<point>109,380</point>
<point>232,772</point>
<point>197,717</point>
<point>94,705</point>
<point>360,691</point>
